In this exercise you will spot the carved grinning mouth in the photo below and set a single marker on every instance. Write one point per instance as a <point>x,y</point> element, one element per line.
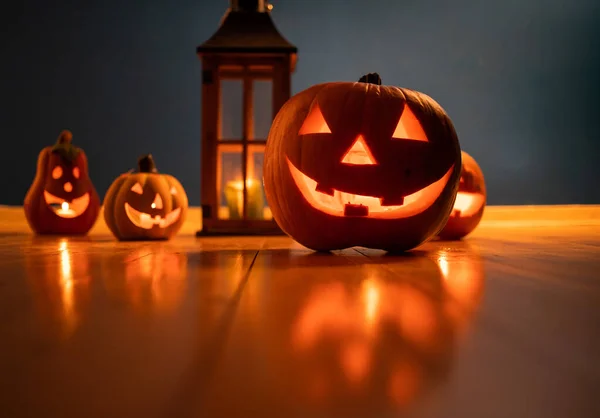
<point>467,204</point>
<point>146,221</point>
<point>338,203</point>
<point>64,208</point>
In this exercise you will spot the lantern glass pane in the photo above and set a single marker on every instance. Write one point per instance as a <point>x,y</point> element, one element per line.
<point>257,203</point>
<point>262,108</point>
<point>229,181</point>
<point>231,110</point>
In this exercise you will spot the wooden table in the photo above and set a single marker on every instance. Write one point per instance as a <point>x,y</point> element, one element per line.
<point>503,324</point>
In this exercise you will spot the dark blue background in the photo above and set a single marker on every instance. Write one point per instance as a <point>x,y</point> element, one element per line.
<point>519,78</point>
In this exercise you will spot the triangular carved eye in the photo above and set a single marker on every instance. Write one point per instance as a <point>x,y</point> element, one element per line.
<point>137,188</point>
<point>409,127</point>
<point>314,123</point>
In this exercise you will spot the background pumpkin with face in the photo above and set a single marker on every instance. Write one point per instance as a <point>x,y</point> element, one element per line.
<point>145,205</point>
<point>62,199</point>
<point>361,164</point>
<point>470,201</point>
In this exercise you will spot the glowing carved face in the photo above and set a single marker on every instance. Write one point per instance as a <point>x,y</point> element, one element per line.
<point>470,201</point>
<point>359,156</point>
<point>146,205</point>
<point>470,198</point>
<point>62,199</point>
<point>361,164</point>
<point>66,192</point>
<point>146,220</point>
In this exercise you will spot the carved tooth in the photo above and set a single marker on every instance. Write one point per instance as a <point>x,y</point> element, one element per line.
<point>355,210</point>
<point>325,190</point>
<point>397,201</point>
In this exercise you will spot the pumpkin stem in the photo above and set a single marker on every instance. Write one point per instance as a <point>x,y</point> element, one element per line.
<point>371,78</point>
<point>64,147</point>
<point>65,137</point>
<point>146,164</point>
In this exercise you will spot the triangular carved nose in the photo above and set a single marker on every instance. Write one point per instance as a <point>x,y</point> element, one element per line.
<point>359,153</point>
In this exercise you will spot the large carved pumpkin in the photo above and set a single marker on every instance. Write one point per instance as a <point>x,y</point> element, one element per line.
<point>470,201</point>
<point>361,164</point>
<point>146,205</point>
<point>62,199</point>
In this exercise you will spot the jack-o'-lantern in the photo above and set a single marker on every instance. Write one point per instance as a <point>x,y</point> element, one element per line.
<point>361,164</point>
<point>470,201</point>
<point>62,199</point>
<point>145,205</point>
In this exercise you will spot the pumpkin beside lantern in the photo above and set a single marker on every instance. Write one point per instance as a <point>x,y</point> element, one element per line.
<point>145,205</point>
<point>62,199</point>
<point>361,164</point>
<point>470,201</point>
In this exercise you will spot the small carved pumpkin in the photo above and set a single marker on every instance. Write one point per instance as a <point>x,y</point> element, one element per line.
<point>470,201</point>
<point>62,199</point>
<point>146,205</point>
<point>361,164</point>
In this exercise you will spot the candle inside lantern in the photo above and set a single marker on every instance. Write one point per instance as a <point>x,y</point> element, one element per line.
<point>234,194</point>
<point>65,211</point>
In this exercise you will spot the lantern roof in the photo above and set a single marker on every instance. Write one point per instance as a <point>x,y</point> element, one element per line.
<point>247,27</point>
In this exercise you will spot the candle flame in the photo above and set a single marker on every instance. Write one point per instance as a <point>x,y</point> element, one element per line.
<point>64,206</point>
<point>239,184</point>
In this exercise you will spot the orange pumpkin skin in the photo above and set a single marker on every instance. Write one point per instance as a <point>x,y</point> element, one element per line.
<point>470,201</point>
<point>403,187</point>
<point>62,177</point>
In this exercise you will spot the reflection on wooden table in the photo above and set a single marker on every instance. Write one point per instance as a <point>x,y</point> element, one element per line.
<point>370,337</point>
<point>262,327</point>
<point>152,279</point>
<point>60,283</point>
<point>384,341</point>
